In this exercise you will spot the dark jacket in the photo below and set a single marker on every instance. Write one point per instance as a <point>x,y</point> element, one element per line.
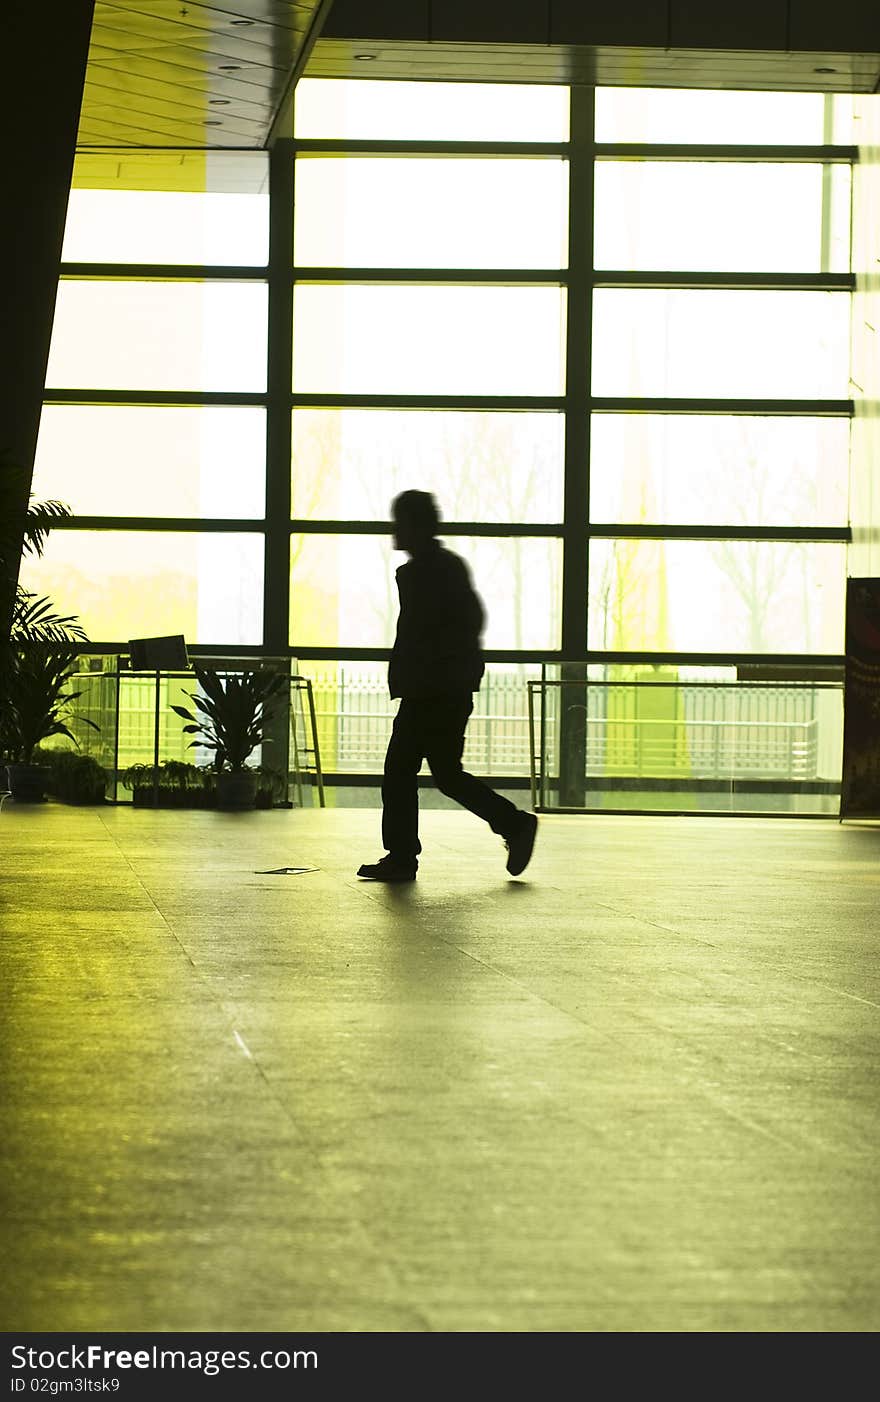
<point>437,648</point>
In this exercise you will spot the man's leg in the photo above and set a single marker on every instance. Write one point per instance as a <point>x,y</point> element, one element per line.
<point>400,787</point>
<point>446,720</point>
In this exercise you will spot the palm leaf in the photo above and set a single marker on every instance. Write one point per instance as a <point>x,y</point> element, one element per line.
<point>39,519</point>
<point>34,620</point>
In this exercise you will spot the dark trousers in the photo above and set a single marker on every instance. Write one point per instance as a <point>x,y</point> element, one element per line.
<point>433,729</point>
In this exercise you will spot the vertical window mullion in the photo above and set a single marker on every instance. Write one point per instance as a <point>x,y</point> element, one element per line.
<point>578,373</point>
<point>579,334</point>
<point>276,605</point>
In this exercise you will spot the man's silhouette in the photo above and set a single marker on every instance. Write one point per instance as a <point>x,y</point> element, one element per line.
<point>436,666</point>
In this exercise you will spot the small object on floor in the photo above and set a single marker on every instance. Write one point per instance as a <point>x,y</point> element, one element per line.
<point>521,845</point>
<point>388,869</point>
<point>285,871</point>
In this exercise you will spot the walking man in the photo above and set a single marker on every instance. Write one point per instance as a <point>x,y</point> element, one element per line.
<point>436,666</point>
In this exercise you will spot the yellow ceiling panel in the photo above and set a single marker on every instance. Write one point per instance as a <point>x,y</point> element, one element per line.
<point>132,105</point>
<point>236,172</point>
<point>216,74</point>
<point>143,93</point>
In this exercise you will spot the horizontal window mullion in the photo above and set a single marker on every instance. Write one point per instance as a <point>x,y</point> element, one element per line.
<point>711,659</point>
<point>604,150</point>
<point>310,526</point>
<point>347,146</point>
<point>757,281</point>
<point>497,655</point>
<point>162,272</point>
<point>633,531</point>
<point>513,276</point>
<point>95,647</point>
<point>190,524</point>
<point>195,524</point>
<point>382,654</point>
<point>722,151</point>
<point>154,398</point>
<point>809,675</point>
<point>811,408</point>
<point>806,282</point>
<point>427,401</point>
<point>599,404</point>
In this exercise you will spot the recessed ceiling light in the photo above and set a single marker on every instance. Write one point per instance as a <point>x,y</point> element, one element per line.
<point>365,58</point>
<point>824,70</point>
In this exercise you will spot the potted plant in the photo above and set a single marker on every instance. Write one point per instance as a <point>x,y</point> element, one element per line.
<point>37,644</point>
<point>271,787</point>
<point>231,716</point>
<point>174,785</point>
<point>73,777</point>
<point>34,709</point>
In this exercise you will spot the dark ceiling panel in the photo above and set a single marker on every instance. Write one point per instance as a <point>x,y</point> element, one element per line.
<point>749,24</point>
<point>484,20</point>
<point>634,22</point>
<point>379,19</point>
<point>855,25</point>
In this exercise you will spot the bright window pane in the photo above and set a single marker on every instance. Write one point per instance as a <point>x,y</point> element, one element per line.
<point>424,213</point>
<point>693,344</point>
<point>692,115</point>
<point>133,584</point>
<point>716,596</point>
<point>405,111</point>
<point>110,460</point>
<point>348,464</point>
<point>165,206</point>
<point>718,470</point>
<point>343,590</point>
<point>159,335</point>
<point>724,215</point>
<point>166,226</point>
<point>428,340</point>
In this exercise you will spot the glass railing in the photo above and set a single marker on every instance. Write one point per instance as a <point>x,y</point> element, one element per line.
<point>611,738</point>
<point>691,739</point>
<point>124,720</point>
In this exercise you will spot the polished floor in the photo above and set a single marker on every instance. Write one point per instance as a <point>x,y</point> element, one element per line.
<point>636,1091</point>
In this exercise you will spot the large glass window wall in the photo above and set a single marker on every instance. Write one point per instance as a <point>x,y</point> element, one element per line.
<point>609,332</point>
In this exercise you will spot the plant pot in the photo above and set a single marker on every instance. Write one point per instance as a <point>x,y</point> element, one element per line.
<point>27,782</point>
<point>237,788</point>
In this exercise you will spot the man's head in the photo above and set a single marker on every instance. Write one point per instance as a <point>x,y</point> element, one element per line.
<point>416,519</point>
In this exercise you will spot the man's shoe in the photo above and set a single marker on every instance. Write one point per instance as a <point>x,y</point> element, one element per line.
<point>389,869</point>
<point>521,845</point>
